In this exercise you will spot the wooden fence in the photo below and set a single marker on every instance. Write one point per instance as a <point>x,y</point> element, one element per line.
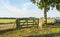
<point>26,21</point>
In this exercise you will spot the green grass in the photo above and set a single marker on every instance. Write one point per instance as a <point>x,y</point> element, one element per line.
<point>13,20</point>
<point>32,32</point>
<point>7,20</point>
<point>48,20</point>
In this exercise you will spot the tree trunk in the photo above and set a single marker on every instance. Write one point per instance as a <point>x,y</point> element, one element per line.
<point>45,14</point>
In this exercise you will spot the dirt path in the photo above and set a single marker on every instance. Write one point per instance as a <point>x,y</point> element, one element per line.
<point>6,25</point>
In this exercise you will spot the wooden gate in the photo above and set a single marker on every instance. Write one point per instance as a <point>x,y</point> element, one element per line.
<point>26,21</point>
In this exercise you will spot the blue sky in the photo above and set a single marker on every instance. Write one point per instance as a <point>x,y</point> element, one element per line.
<point>23,8</point>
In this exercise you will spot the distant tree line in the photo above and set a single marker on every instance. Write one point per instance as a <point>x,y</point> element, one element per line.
<point>7,18</point>
<point>16,18</point>
<point>51,17</point>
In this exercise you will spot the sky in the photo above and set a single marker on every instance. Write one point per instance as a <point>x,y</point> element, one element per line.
<point>23,8</point>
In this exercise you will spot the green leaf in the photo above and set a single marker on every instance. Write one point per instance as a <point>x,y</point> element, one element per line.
<point>58,7</point>
<point>33,1</point>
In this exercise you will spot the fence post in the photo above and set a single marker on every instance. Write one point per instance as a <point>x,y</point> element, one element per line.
<point>27,22</point>
<point>33,21</point>
<point>17,23</point>
<point>40,23</point>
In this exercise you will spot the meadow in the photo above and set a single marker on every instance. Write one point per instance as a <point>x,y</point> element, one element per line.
<point>32,31</point>
<point>6,21</point>
<point>7,24</point>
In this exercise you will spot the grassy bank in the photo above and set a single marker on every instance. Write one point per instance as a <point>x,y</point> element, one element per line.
<point>31,32</point>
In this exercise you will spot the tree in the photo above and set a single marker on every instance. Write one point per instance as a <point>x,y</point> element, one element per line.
<point>46,4</point>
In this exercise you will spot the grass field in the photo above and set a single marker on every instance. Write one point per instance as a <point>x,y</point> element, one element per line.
<point>31,31</point>
<point>3,21</point>
<point>7,21</point>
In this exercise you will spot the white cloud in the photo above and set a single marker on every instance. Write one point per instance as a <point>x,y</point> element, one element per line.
<point>10,7</point>
<point>8,10</point>
<point>11,11</point>
<point>15,10</point>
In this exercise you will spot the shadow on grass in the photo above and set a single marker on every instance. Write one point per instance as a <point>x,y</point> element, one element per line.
<point>5,31</point>
<point>57,25</point>
<point>9,30</point>
<point>46,35</point>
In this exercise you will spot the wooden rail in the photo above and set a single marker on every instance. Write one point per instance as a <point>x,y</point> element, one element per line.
<point>19,22</point>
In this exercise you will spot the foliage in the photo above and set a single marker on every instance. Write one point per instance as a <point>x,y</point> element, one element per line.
<point>49,3</point>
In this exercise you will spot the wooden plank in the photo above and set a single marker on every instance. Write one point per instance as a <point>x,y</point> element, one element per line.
<point>27,18</point>
<point>26,23</point>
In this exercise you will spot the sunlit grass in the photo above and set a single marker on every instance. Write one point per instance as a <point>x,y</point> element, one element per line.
<point>7,20</point>
<point>33,31</point>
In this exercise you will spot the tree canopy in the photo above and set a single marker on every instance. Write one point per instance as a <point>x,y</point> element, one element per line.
<point>49,3</point>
